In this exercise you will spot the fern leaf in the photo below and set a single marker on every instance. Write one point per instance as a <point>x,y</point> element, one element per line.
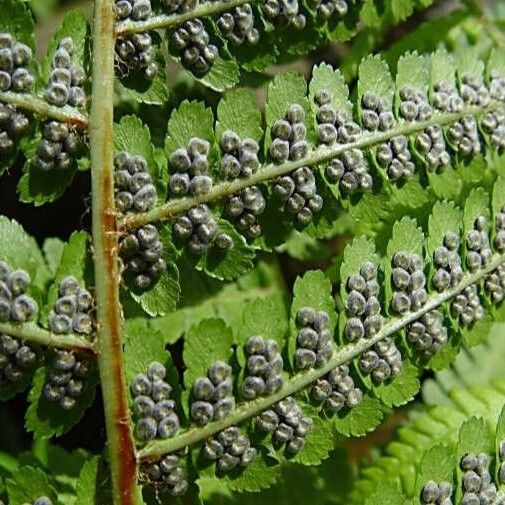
<point>431,446</point>
<point>389,196</point>
<point>89,487</point>
<point>36,186</point>
<point>281,37</point>
<point>27,485</point>
<point>314,290</point>
<point>46,419</point>
<point>476,362</point>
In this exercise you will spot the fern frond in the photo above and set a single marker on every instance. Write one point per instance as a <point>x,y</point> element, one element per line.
<point>278,37</point>
<point>212,387</point>
<point>476,366</point>
<point>385,192</point>
<point>432,444</point>
<point>159,20</point>
<point>303,380</point>
<point>270,172</point>
<point>394,332</point>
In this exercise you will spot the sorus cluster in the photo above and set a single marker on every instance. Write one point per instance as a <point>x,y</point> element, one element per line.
<point>229,449</point>
<point>337,390</point>
<point>464,135</point>
<point>477,481</point>
<point>408,281</point>
<point>58,147</point>
<point>446,98</point>
<point>495,284</point>
<point>42,500</point>
<point>14,60</point>
<point>264,367</point>
<point>493,124</point>
<point>299,192</point>
<point>467,306</point>
<point>15,359</point>
<point>138,10</point>
<point>191,40</point>
<point>350,170</point>
<point>328,8</point>
<point>363,304</point>
<point>477,243</point>
<point>213,395</point>
<point>447,261</point>
<point>395,157</point>
<point>240,156</point>
<point>431,144</point>
<point>14,76</point>
<point>497,86</point>
<point>314,341</point>
<point>166,473</point>
<point>135,53</point>
<point>179,5</point>
<point>289,136</point>
<point>238,25</point>
<point>284,13</point>
<point>72,310</point>
<point>376,113</point>
<point>13,125</point>
<point>152,406</point>
<point>143,253</point>
<point>240,159</point>
<point>65,382</point>
<point>66,80</point>
<point>133,186</point>
<point>190,169</point>
<point>15,304</point>
<point>287,423</point>
<point>414,105</point>
<point>473,91</point>
<point>382,362</point>
<point>428,334</point>
<point>245,207</point>
<point>201,230</point>
<point>436,493</point>
<point>333,125</point>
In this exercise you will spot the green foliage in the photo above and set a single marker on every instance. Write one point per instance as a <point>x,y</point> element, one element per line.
<point>237,111</point>
<point>430,446</point>
<point>37,187</point>
<point>212,335</point>
<point>74,260</point>
<point>311,290</point>
<point>27,484</point>
<point>94,483</point>
<point>17,20</point>
<point>200,309</point>
<point>315,290</point>
<point>20,250</point>
<point>46,419</point>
